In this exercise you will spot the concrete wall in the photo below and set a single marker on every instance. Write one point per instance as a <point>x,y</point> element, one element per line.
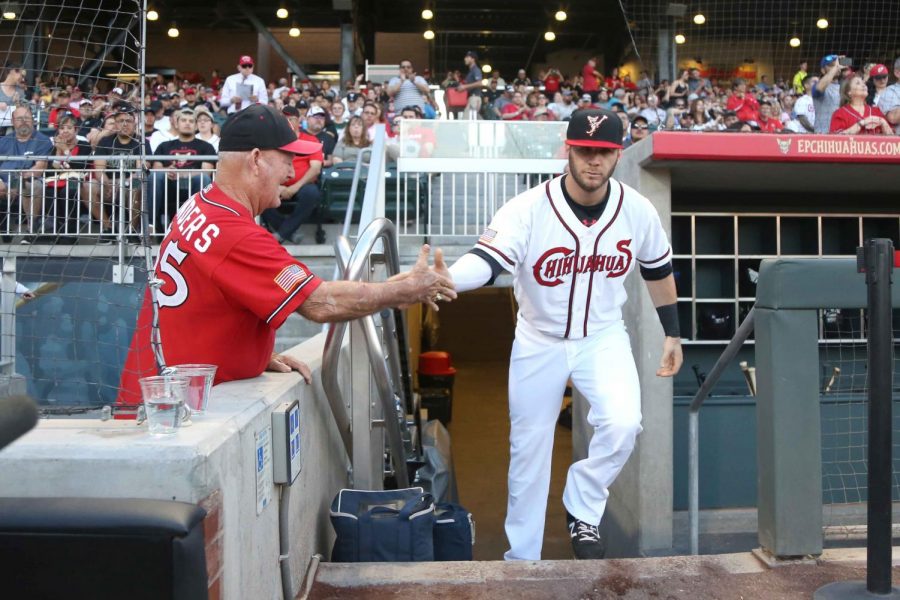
<point>638,520</point>
<point>211,463</point>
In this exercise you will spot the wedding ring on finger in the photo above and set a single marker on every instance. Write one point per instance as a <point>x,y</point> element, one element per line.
<point>438,297</point>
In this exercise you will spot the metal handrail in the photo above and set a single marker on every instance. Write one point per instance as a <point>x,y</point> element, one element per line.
<point>743,332</point>
<point>379,229</point>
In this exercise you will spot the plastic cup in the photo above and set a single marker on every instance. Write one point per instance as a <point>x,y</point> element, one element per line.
<point>201,381</point>
<point>164,402</point>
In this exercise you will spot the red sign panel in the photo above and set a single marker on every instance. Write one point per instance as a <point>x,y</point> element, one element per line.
<point>764,147</point>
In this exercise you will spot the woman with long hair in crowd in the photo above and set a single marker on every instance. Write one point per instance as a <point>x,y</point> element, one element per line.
<point>855,117</point>
<point>703,121</point>
<point>352,142</point>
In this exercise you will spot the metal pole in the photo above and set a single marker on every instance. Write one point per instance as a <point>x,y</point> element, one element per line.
<point>879,266</point>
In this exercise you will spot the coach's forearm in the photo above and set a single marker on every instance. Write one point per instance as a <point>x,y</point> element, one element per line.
<point>335,301</point>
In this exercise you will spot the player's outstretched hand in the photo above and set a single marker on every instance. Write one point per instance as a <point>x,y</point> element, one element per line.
<point>672,358</point>
<point>281,363</point>
<point>430,285</point>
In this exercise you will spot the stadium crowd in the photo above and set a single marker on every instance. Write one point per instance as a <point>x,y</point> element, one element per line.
<point>181,118</point>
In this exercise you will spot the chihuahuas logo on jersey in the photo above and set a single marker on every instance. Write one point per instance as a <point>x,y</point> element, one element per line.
<point>556,263</point>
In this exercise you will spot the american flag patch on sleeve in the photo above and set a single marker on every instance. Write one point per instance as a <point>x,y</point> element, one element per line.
<point>488,236</point>
<point>290,276</point>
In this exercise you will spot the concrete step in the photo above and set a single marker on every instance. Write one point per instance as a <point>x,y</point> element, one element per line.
<point>738,576</point>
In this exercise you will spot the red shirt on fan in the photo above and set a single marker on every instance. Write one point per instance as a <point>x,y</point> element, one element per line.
<point>301,161</point>
<point>846,117</point>
<point>227,286</point>
<point>746,107</point>
<point>770,125</point>
<point>590,82</point>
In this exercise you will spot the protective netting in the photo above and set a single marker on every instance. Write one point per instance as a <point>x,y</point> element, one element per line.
<point>844,408</point>
<point>71,174</point>
<point>750,39</point>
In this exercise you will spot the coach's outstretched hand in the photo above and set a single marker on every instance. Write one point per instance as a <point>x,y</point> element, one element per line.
<point>672,357</point>
<point>428,284</point>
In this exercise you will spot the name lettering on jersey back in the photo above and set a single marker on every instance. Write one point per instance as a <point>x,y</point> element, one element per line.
<point>556,263</point>
<point>191,221</point>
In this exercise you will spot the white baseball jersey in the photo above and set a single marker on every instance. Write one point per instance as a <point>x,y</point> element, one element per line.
<point>569,278</point>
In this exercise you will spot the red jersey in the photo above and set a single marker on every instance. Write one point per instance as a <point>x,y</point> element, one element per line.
<point>551,84</point>
<point>746,108</point>
<point>227,286</point>
<point>589,83</point>
<point>301,161</point>
<point>770,125</point>
<point>846,117</point>
<point>513,108</point>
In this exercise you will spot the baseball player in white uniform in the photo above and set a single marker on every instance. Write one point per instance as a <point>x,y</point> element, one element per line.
<point>569,244</point>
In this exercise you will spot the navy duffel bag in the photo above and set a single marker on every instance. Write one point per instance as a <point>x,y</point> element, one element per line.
<point>454,532</point>
<point>383,526</point>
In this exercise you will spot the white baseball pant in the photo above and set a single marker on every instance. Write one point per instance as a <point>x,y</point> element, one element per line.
<point>602,368</point>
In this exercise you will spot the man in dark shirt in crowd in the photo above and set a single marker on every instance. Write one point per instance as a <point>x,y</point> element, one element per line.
<point>175,180</point>
<point>104,183</point>
<point>315,126</point>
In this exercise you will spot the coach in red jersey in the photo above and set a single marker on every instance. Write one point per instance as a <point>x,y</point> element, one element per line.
<point>227,285</point>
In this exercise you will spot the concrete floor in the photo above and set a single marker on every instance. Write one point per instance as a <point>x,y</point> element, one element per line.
<point>480,437</point>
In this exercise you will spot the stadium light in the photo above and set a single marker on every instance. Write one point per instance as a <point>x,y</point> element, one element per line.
<point>679,38</point>
<point>486,68</point>
<point>152,15</point>
<point>794,42</point>
<point>428,35</point>
<point>561,15</point>
<point>9,12</point>
<point>699,18</point>
<point>294,31</point>
<point>173,30</point>
<point>282,13</point>
<point>427,14</point>
<point>549,36</point>
<point>822,23</point>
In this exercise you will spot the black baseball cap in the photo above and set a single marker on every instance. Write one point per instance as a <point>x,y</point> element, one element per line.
<point>596,128</point>
<point>473,54</point>
<point>260,126</point>
<point>290,111</point>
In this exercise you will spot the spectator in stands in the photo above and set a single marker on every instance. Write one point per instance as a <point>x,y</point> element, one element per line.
<point>126,142</point>
<point>503,99</point>
<point>159,136</point>
<point>190,99</point>
<point>878,78</point>
<point>353,140</point>
<point>301,193</point>
<point>639,130</point>
<point>329,92</point>
<point>804,112</point>
<point>147,128</point>
<point>703,119</point>
<point>408,88</point>
<point>744,104</point>
<point>763,85</point>
<point>517,110</point>
<point>591,78</point>
<point>551,82</point>
<point>92,119</point>
<point>109,128</point>
<point>563,109</point>
<point>206,127</point>
<point>585,102</point>
<point>278,92</point>
<point>60,104</point>
<point>827,92</point>
<point>243,88</point>
<point>12,92</point>
<point>768,123</point>
<point>674,114</point>
<point>645,84</point>
<point>64,185</point>
<point>23,176</point>
<point>175,180</point>
<point>799,76</point>
<point>370,114</point>
<point>339,118</point>
<point>854,116</point>
<point>696,84</point>
<point>678,89</point>
<point>653,114</point>
<point>889,103</point>
<point>521,79</point>
<point>472,82</point>
<point>315,126</point>
<point>354,104</point>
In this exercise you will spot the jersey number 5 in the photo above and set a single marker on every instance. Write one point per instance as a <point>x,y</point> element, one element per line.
<point>170,268</point>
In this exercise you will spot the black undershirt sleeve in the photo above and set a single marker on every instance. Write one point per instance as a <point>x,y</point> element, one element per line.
<point>657,273</point>
<point>496,269</point>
